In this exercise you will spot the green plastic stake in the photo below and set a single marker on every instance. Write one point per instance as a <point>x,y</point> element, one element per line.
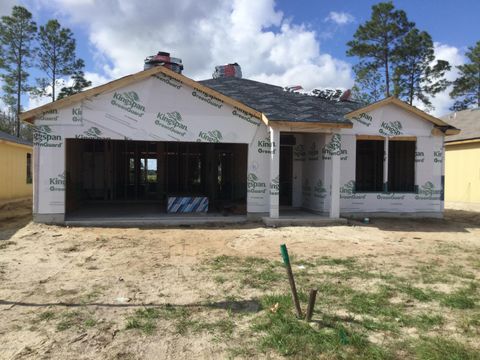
<point>291,280</point>
<point>284,252</point>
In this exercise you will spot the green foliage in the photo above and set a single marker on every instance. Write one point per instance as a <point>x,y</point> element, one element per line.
<point>415,77</point>
<point>79,83</point>
<point>466,88</point>
<point>17,33</point>
<point>56,57</point>
<point>377,41</point>
<point>369,86</point>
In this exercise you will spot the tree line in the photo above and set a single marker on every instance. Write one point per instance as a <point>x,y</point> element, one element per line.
<point>49,48</point>
<point>396,58</point>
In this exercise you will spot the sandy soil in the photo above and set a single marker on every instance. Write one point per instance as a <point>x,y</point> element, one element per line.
<point>111,272</point>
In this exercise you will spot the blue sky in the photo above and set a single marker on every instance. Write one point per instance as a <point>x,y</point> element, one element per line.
<point>281,42</point>
<point>455,23</point>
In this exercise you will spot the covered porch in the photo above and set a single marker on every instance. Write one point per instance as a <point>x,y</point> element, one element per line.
<point>304,176</point>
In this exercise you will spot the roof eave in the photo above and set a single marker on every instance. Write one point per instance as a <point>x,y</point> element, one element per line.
<point>400,103</point>
<point>311,124</point>
<point>29,116</point>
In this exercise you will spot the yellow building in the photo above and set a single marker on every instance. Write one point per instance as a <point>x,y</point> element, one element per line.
<point>16,164</point>
<point>462,158</point>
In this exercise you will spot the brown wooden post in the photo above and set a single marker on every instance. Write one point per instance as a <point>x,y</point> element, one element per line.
<point>311,304</point>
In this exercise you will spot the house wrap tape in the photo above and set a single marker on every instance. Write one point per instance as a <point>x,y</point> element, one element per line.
<point>163,109</point>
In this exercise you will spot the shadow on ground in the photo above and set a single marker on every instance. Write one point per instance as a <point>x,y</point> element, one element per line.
<point>236,306</point>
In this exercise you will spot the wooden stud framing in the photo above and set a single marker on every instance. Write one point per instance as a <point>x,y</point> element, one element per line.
<point>370,137</point>
<point>403,138</point>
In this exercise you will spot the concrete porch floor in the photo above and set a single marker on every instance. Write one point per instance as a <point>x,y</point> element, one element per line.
<point>299,217</point>
<point>143,214</point>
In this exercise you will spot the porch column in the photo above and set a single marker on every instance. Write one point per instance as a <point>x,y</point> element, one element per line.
<point>335,181</point>
<point>274,184</point>
<point>385,165</point>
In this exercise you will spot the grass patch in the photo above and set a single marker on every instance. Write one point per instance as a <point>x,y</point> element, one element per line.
<point>423,322</point>
<point>462,299</point>
<point>75,319</point>
<point>374,303</point>
<point>349,262</point>
<point>251,271</point>
<point>46,316</point>
<point>282,332</point>
<point>438,348</point>
<point>144,320</point>
<point>416,293</point>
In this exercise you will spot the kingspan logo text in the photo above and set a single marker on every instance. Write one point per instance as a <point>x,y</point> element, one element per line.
<point>318,190</point>
<point>128,101</point>
<point>392,128</point>
<point>50,115</point>
<point>347,191</point>
<point>57,183</point>
<point>265,146</point>
<point>43,136</point>
<point>92,133</point>
<point>255,186</point>
<point>213,136</point>
<point>275,186</point>
<point>245,116</point>
<point>172,121</point>
<point>334,148</point>
<point>428,192</point>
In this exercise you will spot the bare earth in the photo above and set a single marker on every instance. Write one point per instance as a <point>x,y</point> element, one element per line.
<point>70,292</point>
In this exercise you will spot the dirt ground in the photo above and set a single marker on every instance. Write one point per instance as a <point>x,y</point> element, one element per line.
<point>74,292</point>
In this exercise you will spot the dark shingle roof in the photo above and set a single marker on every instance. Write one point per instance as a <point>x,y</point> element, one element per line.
<point>466,120</point>
<point>7,137</point>
<point>279,105</point>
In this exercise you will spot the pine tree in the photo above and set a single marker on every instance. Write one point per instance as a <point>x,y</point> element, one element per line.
<point>377,41</point>
<point>17,33</point>
<point>56,57</point>
<point>79,83</point>
<point>416,76</point>
<point>369,86</point>
<point>466,88</point>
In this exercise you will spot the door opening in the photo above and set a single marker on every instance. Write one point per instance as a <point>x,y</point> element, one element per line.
<point>286,175</point>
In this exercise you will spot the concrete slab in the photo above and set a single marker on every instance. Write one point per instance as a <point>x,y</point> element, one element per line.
<point>157,221</point>
<point>299,220</point>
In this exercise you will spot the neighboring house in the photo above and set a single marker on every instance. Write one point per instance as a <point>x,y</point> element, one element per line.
<point>16,162</point>
<point>230,144</point>
<point>462,162</point>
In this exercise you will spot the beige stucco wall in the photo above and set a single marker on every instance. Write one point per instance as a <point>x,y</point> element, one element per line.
<point>462,172</point>
<point>13,171</point>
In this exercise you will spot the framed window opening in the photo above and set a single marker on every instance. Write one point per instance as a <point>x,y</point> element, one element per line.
<point>401,166</point>
<point>385,164</point>
<point>369,165</point>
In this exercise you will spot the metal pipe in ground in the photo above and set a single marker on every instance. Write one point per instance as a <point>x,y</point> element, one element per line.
<point>291,280</point>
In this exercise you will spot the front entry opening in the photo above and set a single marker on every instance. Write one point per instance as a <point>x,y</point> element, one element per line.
<point>101,174</point>
<point>286,169</point>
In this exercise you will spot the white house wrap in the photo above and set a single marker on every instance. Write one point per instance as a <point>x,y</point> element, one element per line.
<point>161,107</point>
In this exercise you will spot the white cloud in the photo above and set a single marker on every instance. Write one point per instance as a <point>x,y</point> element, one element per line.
<point>442,101</point>
<point>204,33</point>
<point>340,18</point>
<point>6,6</point>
